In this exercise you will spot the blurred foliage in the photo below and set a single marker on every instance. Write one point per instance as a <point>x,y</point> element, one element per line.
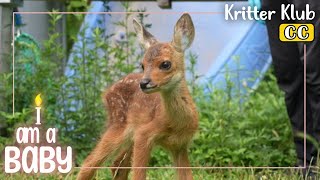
<point>235,129</point>
<point>74,21</point>
<point>165,174</point>
<point>255,133</point>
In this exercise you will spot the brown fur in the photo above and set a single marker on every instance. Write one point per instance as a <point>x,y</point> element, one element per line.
<point>165,115</point>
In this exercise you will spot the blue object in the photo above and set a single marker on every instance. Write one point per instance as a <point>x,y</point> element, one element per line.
<point>256,3</point>
<point>18,20</point>
<point>91,22</point>
<point>246,63</point>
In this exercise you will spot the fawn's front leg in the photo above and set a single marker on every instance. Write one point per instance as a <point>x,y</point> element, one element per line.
<point>141,153</point>
<point>180,158</point>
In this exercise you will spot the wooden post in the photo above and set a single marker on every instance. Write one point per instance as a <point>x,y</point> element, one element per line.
<point>5,51</point>
<point>5,36</point>
<point>164,3</point>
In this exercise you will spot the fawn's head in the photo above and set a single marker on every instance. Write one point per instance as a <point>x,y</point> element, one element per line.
<point>163,63</point>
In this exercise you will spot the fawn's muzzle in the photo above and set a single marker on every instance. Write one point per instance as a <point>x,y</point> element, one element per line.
<point>144,83</point>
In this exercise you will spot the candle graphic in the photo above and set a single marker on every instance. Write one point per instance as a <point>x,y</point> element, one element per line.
<point>38,102</point>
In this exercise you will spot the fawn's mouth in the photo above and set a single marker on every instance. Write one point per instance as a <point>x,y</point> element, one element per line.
<point>149,90</point>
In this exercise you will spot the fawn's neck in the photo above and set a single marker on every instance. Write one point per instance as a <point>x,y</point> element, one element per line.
<point>178,104</point>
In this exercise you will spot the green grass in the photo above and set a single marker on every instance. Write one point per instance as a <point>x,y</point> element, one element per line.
<point>168,174</point>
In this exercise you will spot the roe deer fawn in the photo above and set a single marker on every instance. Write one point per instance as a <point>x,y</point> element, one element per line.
<point>159,112</point>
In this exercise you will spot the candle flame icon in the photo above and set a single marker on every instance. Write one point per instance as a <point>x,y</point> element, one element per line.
<point>38,100</point>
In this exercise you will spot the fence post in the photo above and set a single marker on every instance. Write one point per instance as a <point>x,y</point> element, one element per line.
<point>164,3</point>
<point>5,50</point>
<point>5,35</point>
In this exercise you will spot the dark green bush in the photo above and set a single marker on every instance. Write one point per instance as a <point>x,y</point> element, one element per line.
<point>256,132</point>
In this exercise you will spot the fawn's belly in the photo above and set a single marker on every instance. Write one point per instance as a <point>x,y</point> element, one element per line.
<point>176,140</point>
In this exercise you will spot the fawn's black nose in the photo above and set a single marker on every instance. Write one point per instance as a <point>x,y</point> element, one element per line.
<point>144,83</point>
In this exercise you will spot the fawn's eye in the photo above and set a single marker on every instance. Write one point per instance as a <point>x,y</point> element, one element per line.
<point>142,67</point>
<point>166,65</point>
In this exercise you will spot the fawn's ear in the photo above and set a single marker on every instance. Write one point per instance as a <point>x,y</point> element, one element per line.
<point>183,33</point>
<point>146,39</point>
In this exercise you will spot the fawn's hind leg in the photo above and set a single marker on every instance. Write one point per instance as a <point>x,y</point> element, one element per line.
<point>122,160</point>
<point>180,158</point>
<point>110,142</point>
